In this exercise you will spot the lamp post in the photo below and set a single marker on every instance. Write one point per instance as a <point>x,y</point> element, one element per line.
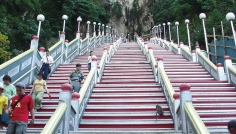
<point>40,18</point>
<point>110,30</point>
<point>106,30</point>
<point>202,16</point>
<point>99,31</point>
<point>103,29</point>
<point>64,17</point>
<point>164,25</point>
<point>128,37</point>
<point>88,22</point>
<point>94,32</point>
<point>157,31</point>
<point>230,17</point>
<point>177,26</point>
<point>169,30</point>
<point>160,29</point>
<point>189,43</point>
<point>79,19</point>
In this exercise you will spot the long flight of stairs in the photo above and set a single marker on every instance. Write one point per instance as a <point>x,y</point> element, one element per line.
<point>59,77</point>
<point>215,101</point>
<point>125,99</point>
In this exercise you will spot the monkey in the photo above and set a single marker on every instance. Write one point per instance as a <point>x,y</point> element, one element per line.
<point>159,111</point>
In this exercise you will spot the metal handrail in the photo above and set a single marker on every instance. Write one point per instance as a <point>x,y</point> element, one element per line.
<point>194,119</point>
<point>9,62</point>
<point>55,119</point>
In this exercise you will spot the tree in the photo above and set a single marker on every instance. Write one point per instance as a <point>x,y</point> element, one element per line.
<point>4,48</point>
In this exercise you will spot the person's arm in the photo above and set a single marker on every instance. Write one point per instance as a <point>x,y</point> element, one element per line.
<point>32,116</point>
<point>31,107</point>
<point>32,90</point>
<point>5,104</point>
<point>70,77</point>
<point>45,87</point>
<point>51,60</point>
<point>9,110</point>
<point>13,92</point>
<point>82,78</point>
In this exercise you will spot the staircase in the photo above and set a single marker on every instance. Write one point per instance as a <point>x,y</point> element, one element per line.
<point>126,98</point>
<point>215,101</point>
<point>59,77</point>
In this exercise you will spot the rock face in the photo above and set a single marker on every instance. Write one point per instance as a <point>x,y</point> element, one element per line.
<point>145,19</point>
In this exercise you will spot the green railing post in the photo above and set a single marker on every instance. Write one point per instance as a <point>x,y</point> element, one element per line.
<point>75,105</point>
<point>65,96</point>
<point>185,96</point>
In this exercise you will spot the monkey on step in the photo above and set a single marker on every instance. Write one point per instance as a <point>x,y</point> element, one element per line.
<point>159,111</point>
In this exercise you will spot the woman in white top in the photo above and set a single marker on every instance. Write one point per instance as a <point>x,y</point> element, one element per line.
<point>90,60</point>
<point>46,61</point>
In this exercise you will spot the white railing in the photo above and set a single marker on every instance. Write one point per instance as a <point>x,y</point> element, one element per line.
<point>194,123</point>
<point>187,55</point>
<point>207,64</point>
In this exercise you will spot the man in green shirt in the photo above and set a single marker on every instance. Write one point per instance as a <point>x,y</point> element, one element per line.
<point>10,90</point>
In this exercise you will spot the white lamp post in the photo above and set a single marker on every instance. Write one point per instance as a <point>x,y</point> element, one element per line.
<point>128,37</point>
<point>169,30</point>
<point>164,25</point>
<point>160,29</point>
<point>79,19</point>
<point>110,30</point>
<point>103,29</point>
<point>88,22</point>
<point>202,16</point>
<point>189,43</point>
<point>177,26</point>
<point>64,17</point>
<point>157,31</point>
<point>94,32</point>
<point>106,30</point>
<point>40,18</point>
<point>99,31</point>
<point>230,17</point>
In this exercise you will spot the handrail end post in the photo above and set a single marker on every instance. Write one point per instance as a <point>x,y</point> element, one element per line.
<point>221,72</point>
<point>185,96</point>
<point>228,62</point>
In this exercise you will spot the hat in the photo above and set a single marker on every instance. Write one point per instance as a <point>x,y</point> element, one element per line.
<point>78,65</point>
<point>1,86</point>
<point>20,85</point>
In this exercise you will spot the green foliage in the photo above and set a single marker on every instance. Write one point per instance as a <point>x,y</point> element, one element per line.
<point>18,20</point>
<point>178,10</point>
<point>116,10</point>
<point>4,48</point>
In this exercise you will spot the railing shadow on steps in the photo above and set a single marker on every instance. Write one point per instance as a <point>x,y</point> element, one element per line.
<point>72,105</point>
<point>184,115</point>
<point>217,71</point>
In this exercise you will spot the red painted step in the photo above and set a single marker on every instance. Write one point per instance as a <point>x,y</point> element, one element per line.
<point>212,99</point>
<point>127,85</point>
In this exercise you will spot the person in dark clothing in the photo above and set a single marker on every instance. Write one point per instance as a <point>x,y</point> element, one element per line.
<point>46,62</point>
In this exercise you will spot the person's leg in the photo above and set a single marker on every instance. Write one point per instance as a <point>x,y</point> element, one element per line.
<point>42,69</point>
<point>34,99</point>
<point>77,87</point>
<point>21,128</point>
<point>89,66</point>
<point>45,74</point>
<point>11,129</point>
<point>72,83</point>
<point>39,98</point>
